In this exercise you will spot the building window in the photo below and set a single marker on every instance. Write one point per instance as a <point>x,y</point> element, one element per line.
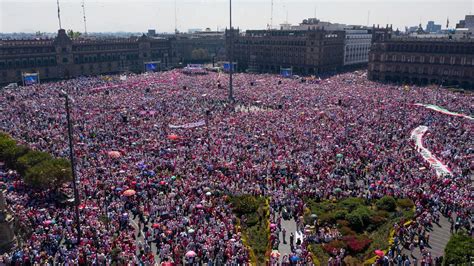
<point>65,60</point>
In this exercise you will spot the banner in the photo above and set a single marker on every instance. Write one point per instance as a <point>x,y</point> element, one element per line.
<point>417,136</point>
<point>442,110</point>
<point>189,125</point>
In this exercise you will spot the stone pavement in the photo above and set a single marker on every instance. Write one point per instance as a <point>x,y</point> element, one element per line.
<point>290,227</point>
<point>439,237</point>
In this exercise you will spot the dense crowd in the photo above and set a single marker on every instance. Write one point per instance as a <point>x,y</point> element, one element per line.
<point>338,137</point>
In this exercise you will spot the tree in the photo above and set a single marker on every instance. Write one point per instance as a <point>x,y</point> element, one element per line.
<point>73,34</point>
<point>199,54</point>
<point>30,159</point>
<point>49,174</point>
<point>459,250</point>
<point>11,154</point>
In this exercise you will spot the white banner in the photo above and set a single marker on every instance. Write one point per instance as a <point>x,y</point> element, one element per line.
<point>189,125</point>
<point>417,136</point>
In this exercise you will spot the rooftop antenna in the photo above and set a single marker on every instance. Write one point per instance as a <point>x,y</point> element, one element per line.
<point>84,13</point>
<point>59,15</point>
<point>368,17</point>
<point>175,19</point>
<point>271,15</point>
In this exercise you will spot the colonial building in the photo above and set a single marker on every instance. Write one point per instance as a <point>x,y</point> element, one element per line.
<point>445,61</point>
<point>200,46</point>
<point>309,51</point>
<point>357,46</point>
<point>62,57</point>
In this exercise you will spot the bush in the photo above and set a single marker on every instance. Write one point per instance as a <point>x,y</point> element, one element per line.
<point>340,215</point>
<point>357,244</point>
<point>386,203</point>
<point>351,204</point>
<point>405,203</point>
<point>355,221</point>
<point>327,217</point>
<point>244,204</point>
<point>364,213</point>
<point>30,159</point>
<point>346,231</point>
<point>334,246</point>
<point>382,213</point>
<point>459,249</point>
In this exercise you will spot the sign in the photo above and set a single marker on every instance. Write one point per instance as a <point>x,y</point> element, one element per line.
<point>30,79</point>
<point>227,66</point>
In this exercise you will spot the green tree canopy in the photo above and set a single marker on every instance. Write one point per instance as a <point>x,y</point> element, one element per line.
<point>459,249</point>
<point>30,159</point>
<point>49,174</point>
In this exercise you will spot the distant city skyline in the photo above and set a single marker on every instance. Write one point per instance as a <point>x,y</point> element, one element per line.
<point>139,16</point>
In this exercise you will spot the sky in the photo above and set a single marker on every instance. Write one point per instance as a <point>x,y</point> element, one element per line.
<point>141,15</point>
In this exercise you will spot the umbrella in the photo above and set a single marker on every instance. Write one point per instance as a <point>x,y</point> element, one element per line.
<point>166,263</point>
<point>379,253</point>
<point>162,183</point>
<point>208,193</point>
<point>273,225</point>
<point>294,258</point>
<point>339,156</point>
<point>129,192</point>
<point>190,253</point>
<point>190,231</point>
<point>155,225</point>
<point>114,154</point>
<point>199,206</point>
<point>337,190</point>
<point>314,215</point>
<point>173,137</point>
<point>48,222</point>
<point>173,177</point>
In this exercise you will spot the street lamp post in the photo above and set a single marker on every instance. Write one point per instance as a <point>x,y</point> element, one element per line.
<point>231,55</point>
<point>73,168</point>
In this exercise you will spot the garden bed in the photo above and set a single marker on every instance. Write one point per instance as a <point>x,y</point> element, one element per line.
<point>253,219</point>
<point>360,227</point>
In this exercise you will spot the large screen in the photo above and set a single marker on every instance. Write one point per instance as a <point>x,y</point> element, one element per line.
<point>152,66</point>
<point>286,72</point>
<point>30,78</point>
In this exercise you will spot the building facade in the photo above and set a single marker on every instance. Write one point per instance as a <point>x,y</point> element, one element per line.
<point>431,27</point>
<point>62,57</point>
<point>357,46</point>
<point>200,47</point>
<point>305,51</point>
<point>444,61</point>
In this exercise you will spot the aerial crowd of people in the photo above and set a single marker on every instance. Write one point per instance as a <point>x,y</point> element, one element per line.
<point>176,142</point>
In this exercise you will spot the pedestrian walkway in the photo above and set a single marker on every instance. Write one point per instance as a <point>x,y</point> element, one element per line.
<point>290,227</point>
<point>439,237</point>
